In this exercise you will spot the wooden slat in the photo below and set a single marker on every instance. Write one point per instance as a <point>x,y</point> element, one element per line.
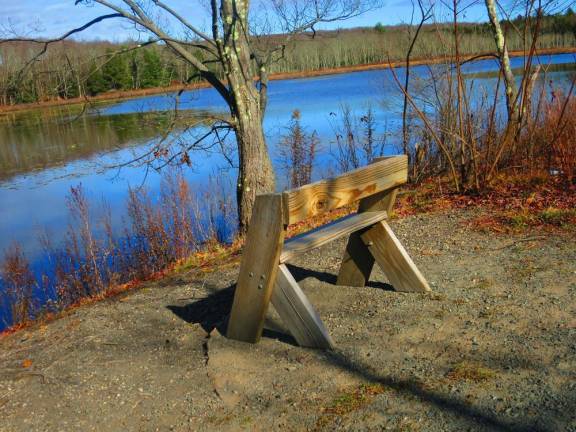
<point>393,259</point>
<point>297,312</point>
<point>358,262</point>
<point>327,233</point>
<point>257,269</point>
<point>326,195</point>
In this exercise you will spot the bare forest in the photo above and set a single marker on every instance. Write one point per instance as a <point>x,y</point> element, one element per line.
<point>70,69</point>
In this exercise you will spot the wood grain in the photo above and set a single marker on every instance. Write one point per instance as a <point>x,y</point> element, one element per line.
<point>327,233</point>
<point>258,269</point>
<point>330,194</point>
<point>297,312</point>
<point>393,259</point>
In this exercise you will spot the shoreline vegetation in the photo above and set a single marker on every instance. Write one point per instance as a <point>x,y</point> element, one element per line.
<point>517,205</point>
<point>119,95</point>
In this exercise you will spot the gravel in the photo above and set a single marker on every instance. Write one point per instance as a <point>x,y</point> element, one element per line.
<point>492,348</point>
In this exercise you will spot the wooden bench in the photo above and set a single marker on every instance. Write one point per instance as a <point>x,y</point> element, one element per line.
<point>264,276</point>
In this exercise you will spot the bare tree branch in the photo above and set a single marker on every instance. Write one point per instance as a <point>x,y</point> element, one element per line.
<point>138,16</point>
<point>186,23</point>
<point>65,35</point>
<point>46,43</point>
<point>425,15</point>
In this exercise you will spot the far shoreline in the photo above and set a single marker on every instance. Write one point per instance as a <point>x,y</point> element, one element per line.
<point>133,94</point>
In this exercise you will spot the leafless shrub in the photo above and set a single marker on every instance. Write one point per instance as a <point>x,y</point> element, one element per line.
<point>550,143</point>
<point>214,212</point>
<point>297,152</point>
<point>158,232</point>
<point>356,140</point>
<point>469,135</point>
<point>18,285</point>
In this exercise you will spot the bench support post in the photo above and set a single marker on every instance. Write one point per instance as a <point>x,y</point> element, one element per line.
<point>357,262</point>
<point>258,269</point>
<point>393,259</point>
<point>297,312</point>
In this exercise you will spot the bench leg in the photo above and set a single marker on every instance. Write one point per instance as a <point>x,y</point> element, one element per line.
<point>393,259</point>
<point>357,263</point>
<point>258,269</point>
<point>297,312</point>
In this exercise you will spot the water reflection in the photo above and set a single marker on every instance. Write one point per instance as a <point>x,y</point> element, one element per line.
<point>50,138</point>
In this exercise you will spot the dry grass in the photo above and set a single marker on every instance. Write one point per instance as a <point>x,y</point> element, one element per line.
<point>348,402</point>
<point>513,203</point>
<point>467,371</point>
<point>173,235</point>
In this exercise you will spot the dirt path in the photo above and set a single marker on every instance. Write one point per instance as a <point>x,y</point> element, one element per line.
<point>492,349</point>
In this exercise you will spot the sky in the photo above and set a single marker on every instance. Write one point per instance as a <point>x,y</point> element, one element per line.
<point>51,18</point>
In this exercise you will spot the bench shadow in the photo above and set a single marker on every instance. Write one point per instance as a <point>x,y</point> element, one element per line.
<point>475,415</point>
<point>301,273</point>
<point>212,312</point>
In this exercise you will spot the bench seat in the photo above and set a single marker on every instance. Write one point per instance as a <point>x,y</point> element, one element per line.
<point>325,234</point>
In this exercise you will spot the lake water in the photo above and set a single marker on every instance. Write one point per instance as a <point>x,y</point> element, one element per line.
<point>44,153</point>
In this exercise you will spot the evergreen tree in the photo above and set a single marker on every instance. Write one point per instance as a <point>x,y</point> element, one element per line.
<point>152,74</point>
<point>95,83</point>
<point>135,71</point>
<point>116,72</point>
<point>380,28</point>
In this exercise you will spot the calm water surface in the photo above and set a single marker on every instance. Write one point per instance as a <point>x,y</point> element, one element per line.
<point>44,153</point>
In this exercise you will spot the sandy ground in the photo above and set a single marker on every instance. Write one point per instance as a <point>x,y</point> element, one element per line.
<point>493,348</point>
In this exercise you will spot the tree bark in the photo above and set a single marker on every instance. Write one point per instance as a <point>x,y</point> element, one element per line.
<point>255,174</point>
<point>502,49</point>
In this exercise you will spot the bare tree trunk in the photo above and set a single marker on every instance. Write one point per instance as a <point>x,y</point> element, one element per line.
<point>256,174</point>
<point>425,15</point>
<point>502,49</point>
<point>516,102</point>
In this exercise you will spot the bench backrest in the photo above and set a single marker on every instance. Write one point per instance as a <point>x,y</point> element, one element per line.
<point>326,195</point>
